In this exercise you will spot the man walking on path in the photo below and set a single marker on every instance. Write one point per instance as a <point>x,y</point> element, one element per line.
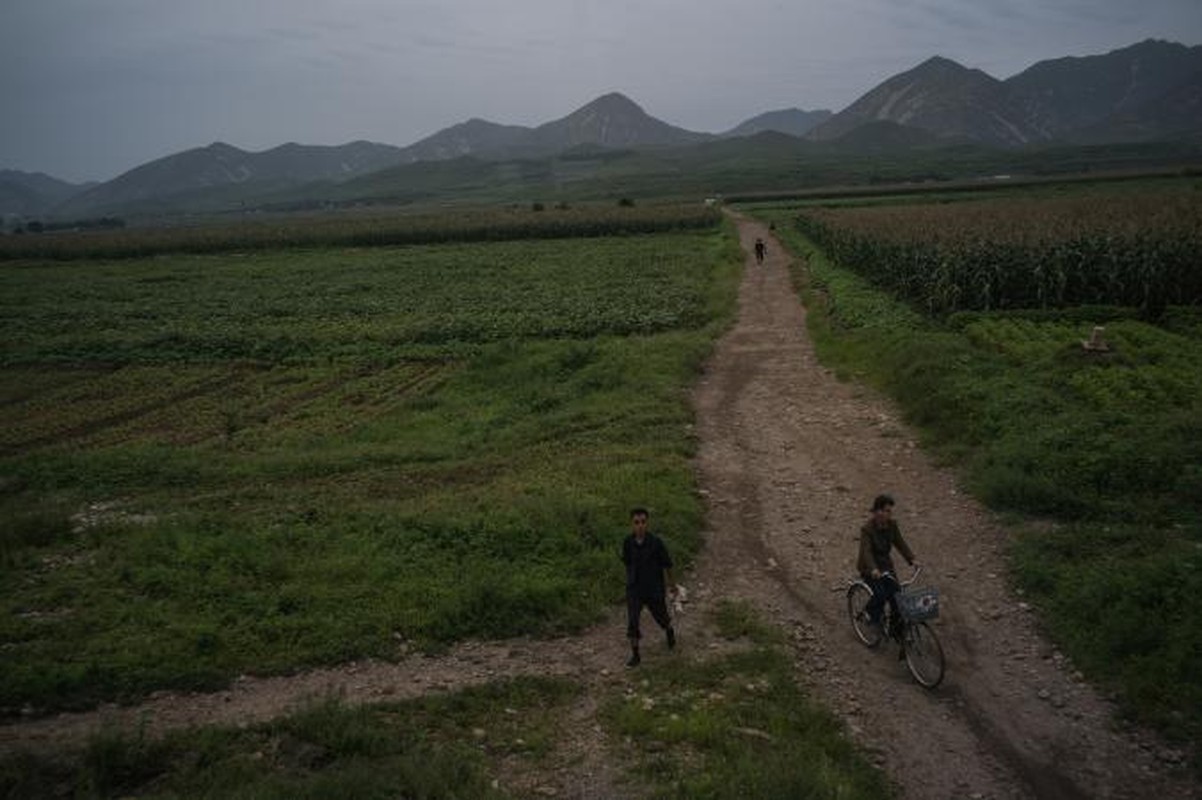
<point>648,573</point>
<point>760,250</point>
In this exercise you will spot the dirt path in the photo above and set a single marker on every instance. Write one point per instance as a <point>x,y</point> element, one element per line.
<point>789,460</point>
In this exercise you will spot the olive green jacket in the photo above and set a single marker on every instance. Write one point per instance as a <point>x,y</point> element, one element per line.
<point>875,546</point>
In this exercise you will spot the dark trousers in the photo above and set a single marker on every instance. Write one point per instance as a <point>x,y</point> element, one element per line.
<point>634,608</point>
<point>884,590</point>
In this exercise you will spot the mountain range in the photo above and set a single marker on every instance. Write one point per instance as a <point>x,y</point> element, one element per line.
<point>1146,92</point>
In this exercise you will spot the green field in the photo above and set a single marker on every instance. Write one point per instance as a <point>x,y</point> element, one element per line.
<point>1100,452</point>
<point>208,460</point>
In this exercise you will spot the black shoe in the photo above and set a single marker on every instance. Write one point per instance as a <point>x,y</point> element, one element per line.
<point>634,660</point>
<point>671,638</point>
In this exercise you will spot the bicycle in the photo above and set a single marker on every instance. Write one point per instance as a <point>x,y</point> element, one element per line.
<point>919,645</point>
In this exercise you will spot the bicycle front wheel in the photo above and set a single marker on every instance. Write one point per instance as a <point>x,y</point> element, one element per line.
<point>924,654</point>
<point>858,595</point>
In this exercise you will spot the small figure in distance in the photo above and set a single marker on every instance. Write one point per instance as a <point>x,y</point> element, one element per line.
<point>878,537</point>
<point>648,573</point>
<point>760,250</point>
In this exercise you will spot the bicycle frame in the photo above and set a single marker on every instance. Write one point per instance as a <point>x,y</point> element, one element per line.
<point>919,645</point>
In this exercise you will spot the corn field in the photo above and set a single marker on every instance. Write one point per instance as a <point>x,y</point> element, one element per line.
<point>1135,248</point>
<point>360,230</point>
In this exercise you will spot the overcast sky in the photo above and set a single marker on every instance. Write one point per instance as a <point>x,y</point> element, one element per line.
<point>92,88</point>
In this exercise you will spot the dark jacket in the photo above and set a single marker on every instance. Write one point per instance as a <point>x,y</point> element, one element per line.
<point>645,565</point>
<point>875,546</point>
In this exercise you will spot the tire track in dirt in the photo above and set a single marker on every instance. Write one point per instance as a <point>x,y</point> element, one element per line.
<point>790,459</point>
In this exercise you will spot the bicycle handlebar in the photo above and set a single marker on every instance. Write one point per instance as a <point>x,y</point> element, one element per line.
<point>914,577</point>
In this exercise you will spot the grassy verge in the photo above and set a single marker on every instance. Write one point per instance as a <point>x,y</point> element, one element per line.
<point>1107,445</point>
<point>439,747</point>
<point>737,726</point>
<point>173,519</point>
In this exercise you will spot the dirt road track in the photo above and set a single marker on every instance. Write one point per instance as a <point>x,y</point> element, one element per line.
<point>789,460</point>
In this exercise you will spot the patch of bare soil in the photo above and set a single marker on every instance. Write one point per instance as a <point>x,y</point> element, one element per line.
<point>789,460</point>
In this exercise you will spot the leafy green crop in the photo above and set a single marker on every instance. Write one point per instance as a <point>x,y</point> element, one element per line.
<point>366,305</point>
<point>224,464</point>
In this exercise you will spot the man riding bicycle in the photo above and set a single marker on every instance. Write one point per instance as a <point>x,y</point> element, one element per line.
<point>878,537</point>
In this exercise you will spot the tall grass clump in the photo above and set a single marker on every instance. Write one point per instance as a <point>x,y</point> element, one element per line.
<point>737,726</point>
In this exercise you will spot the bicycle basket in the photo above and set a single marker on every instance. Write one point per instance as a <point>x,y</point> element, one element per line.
<point>917,604</point>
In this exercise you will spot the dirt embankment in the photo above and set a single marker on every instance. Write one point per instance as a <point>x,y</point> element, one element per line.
<point>789,460</point>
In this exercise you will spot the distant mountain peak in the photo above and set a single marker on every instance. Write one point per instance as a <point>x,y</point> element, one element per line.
<point>940,96</point>
<point>612,120</point>
<point>616,102</point>
<point>612,105</point>
<point>941,62</point>
<point>943,68</point>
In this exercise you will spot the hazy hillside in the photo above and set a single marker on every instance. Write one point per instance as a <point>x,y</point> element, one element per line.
<point>221,166</point>
<point>1133,86</point>
<point>792,121</point>
<point>942,97</point>
<point>26,194</point>
<point>1177,114</point>
<point>1144,91</point>
<point>1148,92</point>
<point>883,136</point>
<point>472,138</point>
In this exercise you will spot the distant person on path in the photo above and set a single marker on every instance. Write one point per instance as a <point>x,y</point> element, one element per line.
<point>648,573</point>
<point>878,537</point>
<point>760,250</point>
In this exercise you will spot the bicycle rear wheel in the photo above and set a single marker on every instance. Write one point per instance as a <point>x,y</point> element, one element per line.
<point>858,595</point>
<point>924,654</point>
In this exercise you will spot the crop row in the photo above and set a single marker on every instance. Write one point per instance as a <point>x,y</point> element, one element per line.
<point>360,230</point>
<point>1136,249</point>
<point>182,404</point>
<point>378,304</point>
